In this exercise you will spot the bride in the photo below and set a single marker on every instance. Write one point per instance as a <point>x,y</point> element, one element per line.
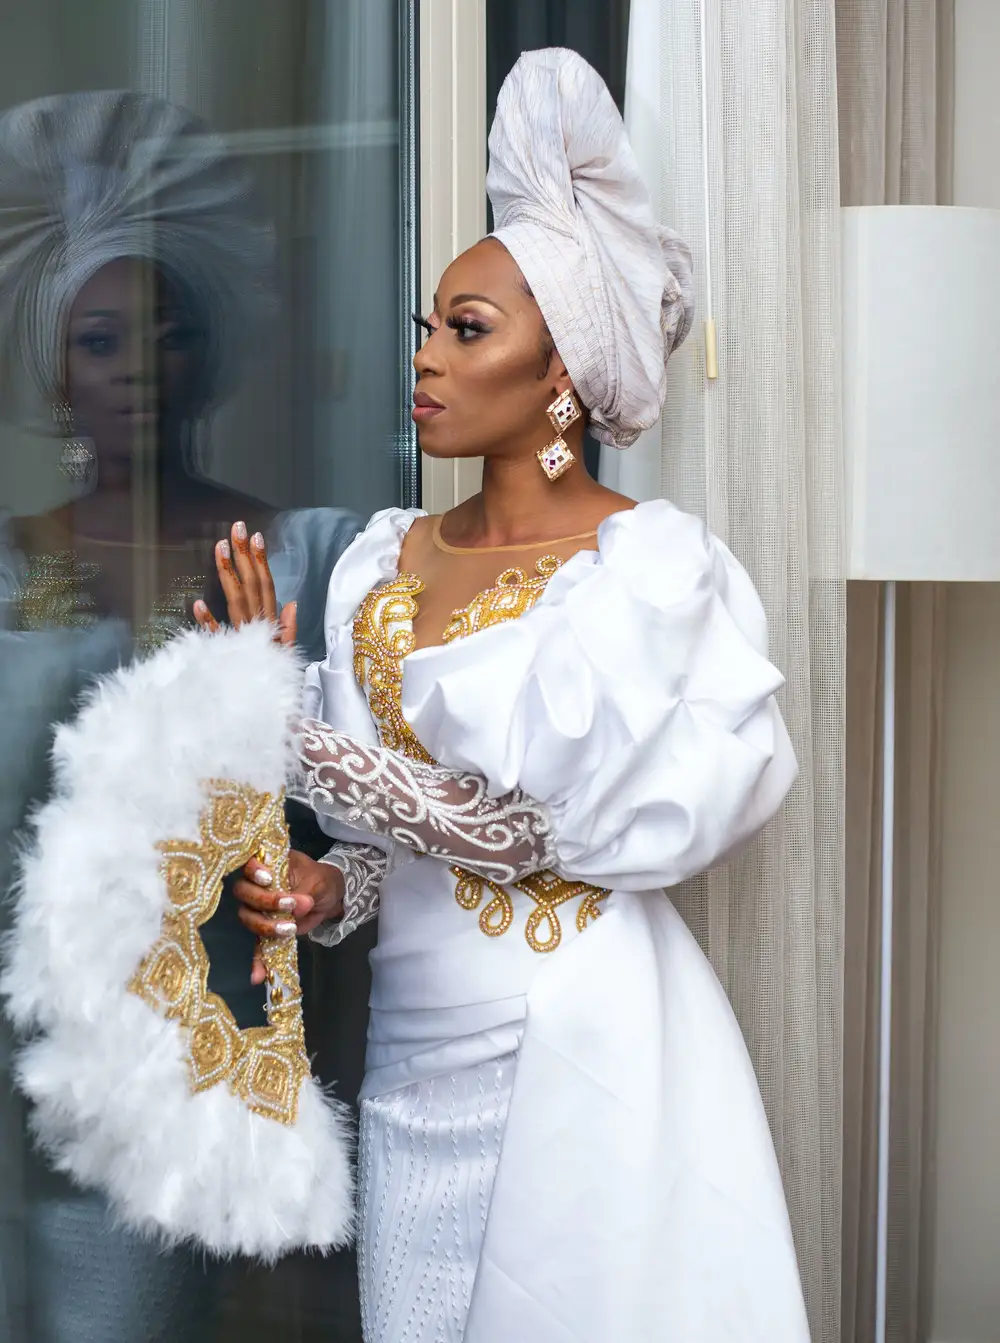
<point>535,712</point>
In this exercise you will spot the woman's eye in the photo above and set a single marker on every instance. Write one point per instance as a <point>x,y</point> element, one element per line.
<point>177,338</point>
<point>98,343</point>
<point>467,328</point>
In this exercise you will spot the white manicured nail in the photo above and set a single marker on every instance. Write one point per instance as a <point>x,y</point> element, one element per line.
<point>263,876</point>
<point>287,904</point>
<point>285,928</point>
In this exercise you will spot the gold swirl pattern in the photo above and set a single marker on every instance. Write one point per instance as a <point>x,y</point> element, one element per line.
<point>383,636</point>
<point>547,890</point>
<point>510,597</point>
<point>264,1065</point>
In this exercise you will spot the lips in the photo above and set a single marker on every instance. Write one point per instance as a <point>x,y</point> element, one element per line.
<point>425,407</point>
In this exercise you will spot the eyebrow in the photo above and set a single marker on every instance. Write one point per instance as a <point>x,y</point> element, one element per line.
<point>472,298</point>
<point>162,310</point>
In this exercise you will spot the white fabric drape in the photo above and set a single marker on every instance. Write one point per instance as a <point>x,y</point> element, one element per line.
<point>758,453</point>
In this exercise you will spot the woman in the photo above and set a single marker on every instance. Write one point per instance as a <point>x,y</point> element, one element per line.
<point>136,279</point>
<point>544,706</point>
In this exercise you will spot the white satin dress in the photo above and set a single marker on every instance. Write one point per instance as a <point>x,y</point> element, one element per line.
<point>562,1137</point>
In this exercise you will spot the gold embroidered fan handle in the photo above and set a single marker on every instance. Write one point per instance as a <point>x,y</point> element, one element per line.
<point>279,954</point>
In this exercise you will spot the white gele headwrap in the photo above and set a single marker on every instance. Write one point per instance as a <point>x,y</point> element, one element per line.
<point>614,286</point>
<point>89,178</point>
<point>142,1082</point>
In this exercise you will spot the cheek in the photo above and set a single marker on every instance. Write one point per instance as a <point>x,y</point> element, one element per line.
<point>183,378</point>
<point>89,379</point>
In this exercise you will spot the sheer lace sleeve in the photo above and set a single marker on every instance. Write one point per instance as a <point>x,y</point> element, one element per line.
<point>443,812</point>
<point>364,868</point>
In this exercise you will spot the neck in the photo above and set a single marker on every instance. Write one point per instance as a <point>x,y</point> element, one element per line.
<point>518,503</point>
<point>125,500</point>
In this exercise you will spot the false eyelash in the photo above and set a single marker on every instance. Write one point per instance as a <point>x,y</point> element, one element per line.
<point>467,324</point>
<point>422,321</point>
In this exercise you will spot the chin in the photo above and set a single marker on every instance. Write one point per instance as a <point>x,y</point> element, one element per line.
<point>444,450</point>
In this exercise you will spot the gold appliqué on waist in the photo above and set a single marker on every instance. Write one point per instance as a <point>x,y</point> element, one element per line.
<point>543,931</point>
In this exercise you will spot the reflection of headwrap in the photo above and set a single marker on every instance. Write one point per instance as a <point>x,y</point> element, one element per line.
<point>614,287</point>
<point>88,178</point>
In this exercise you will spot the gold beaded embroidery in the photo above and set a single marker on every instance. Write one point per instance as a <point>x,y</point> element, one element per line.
<point>511,596</point>
<point>56,593</point>
<point>547,890</point>
<point>383,636</point>
<point>170,614</point>
<point>264,1065</point>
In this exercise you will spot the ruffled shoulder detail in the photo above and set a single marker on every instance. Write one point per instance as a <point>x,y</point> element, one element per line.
<point>370,559</point>
<point>635,700</point>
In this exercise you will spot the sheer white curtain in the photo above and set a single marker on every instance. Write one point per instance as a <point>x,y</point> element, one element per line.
<point>896,85</point>
<point>755,188</point>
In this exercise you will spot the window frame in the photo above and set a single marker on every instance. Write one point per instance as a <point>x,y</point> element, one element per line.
<point>452,115</point>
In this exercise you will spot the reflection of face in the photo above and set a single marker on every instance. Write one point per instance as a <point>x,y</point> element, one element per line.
<point>135,357</point>
<point>486,364</point>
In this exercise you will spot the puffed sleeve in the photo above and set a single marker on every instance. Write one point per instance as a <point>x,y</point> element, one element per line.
<point>635,702</point>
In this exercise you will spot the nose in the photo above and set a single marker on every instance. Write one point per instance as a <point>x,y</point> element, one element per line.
<point>428,359</point>
<point>139,363</point>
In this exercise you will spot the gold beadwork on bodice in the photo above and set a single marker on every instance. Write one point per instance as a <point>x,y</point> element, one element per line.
<point>511,596</point>
<point>383,637</point>
<point>57,594</point>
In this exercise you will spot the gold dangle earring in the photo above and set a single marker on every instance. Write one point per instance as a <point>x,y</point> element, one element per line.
<point>77,458</point>
<point>555,458</point>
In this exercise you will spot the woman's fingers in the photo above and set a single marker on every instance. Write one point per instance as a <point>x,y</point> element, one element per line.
<point>232,588</point>
<point>266,925</point>
<point>265,583</point>
<point>258,970</point>
<point>204,617</point>
<point>287,623</point>
<point>246,570</point>
<point>282,904</point>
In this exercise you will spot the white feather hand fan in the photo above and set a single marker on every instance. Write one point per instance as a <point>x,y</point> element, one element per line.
<point>171,777</point>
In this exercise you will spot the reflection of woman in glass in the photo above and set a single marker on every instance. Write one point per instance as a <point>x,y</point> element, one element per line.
<point>545,706</point>
<point>135,281</point>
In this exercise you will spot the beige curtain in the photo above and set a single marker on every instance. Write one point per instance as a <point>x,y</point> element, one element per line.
<point>895,79</point>
<point>757,452</point>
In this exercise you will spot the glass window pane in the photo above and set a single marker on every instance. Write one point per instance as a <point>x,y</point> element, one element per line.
<point>204,318</point>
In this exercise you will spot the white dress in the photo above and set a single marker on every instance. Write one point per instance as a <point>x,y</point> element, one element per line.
<point>562,1136</point>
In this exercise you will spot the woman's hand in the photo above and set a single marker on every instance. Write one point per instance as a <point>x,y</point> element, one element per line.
<point>316,894</point>
<point>247,585</point>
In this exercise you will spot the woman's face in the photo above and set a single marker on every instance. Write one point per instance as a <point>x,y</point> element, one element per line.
<point>135,357</point>
<point>486,373</point>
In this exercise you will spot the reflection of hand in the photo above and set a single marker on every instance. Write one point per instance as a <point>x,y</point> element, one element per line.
<point>247,586</point>
<point>315,893</point>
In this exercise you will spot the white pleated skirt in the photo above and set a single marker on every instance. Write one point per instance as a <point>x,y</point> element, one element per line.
<point>428,1156</point>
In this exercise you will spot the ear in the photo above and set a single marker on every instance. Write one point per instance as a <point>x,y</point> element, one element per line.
<point>560,379</point>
